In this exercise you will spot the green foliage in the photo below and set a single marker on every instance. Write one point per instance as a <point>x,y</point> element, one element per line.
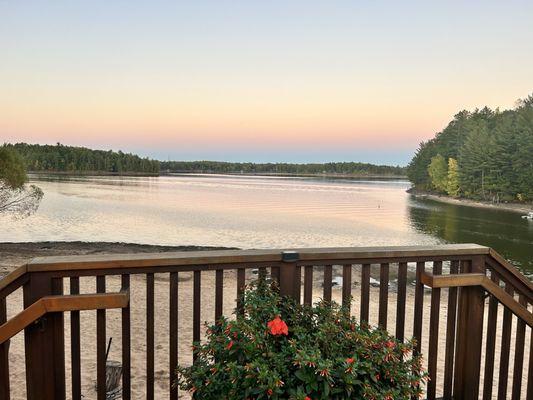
<point>16,197</point>
<point>438,172</point>
<point>452,187</point>
<point>494,153</point>
<point>340,168</point>
<point>12,168</point>
<point>325,355</point>
<point>61,158</point>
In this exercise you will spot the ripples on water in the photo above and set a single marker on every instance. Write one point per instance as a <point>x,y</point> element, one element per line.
<point>260,212</point>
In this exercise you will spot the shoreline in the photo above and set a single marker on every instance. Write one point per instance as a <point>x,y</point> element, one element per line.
<point>94,173</point>
<point>235,173</point>
<point>514,207</point>
<point>287,175</point>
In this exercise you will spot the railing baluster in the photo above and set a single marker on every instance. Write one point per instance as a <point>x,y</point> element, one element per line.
<point>173,322</point>
<point>490,343</point>
<point>529,394</point>
<point>100,343</point>
<point>150,336</point>
<point>365,292</point>
<point>75,342</point>
<point>219,292</point>
<point>126,343</point>
<point>328,276</point>
<point>308,284</point>
<point>450,335</point>
<point>262,273</point>
<point>346,284</point>
<point>197,285</point>
<point>400,304</point>
<point>241,281</point>
<point>519,354</point>
<point>434,335</point>
<point>419,306</point>
<point>298,283</point>
<point>275,273</point>
<point>4,356</point>
<point>504,349</point>
<point>383,294</point>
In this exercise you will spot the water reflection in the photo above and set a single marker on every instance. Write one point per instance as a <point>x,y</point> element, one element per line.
<point>260,212</point>
<point>504,231</point>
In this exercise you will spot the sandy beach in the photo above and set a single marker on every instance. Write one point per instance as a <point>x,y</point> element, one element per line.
<point>12,255</point>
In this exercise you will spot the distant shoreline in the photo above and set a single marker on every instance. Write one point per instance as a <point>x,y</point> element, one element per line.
<point>178,173</point>
<point>514,207</point>
<point>288,175</point>
<point>92,173</point>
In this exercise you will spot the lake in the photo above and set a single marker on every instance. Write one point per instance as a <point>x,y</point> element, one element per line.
<point>261,212</point>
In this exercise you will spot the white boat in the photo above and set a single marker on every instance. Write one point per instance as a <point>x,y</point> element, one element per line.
<point>528,216</point>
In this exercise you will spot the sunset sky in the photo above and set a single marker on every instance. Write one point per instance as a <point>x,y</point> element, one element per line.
<point>256,80</point>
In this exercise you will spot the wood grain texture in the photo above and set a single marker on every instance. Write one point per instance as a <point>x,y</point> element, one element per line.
<point>50,304</point>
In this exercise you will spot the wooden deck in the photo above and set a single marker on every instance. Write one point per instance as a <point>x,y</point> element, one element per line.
<point>476,282</point>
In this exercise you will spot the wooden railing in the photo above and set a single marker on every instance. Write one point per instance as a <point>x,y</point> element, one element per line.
<point>458,301</point>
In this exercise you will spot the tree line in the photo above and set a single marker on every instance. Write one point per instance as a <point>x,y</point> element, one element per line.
<point>60,158</point>
<point>332,168</point>
<point>484,154</point>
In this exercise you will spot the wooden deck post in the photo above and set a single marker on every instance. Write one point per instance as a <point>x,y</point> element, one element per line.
<point>4,357</point>
<point>290,276</point>
<point>469,336</point>
<point>44,343</point>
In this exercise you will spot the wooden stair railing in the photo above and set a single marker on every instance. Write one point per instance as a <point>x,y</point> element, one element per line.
<point>465,280</point>
<point>51,304</point>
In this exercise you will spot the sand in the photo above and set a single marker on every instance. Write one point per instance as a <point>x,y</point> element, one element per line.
<point>12,255</point>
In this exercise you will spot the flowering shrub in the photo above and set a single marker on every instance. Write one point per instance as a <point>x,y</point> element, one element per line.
<point>282,350</point>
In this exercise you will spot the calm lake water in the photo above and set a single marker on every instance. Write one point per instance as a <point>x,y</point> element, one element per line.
<point>261,212</point>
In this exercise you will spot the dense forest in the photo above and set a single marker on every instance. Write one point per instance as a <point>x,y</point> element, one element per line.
<point>332,168</point>
<point>485,154</point>
<point>60,158</point>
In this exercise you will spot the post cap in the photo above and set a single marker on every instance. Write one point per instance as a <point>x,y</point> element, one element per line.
<point>290,256</point>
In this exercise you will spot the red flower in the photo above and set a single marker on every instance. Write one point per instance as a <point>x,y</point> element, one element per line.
<point>307,398</point>
<point>349,361</point>
<point>278,327</point>
<point>230,345</point>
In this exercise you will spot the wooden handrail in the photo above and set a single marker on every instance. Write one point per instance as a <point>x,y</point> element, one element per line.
<point>511,268</point>
<point>50,304</point>
<point>464,280</point>
<point>217,257</point>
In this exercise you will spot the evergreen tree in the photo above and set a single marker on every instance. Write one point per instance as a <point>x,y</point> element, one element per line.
<point>492,153</point>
